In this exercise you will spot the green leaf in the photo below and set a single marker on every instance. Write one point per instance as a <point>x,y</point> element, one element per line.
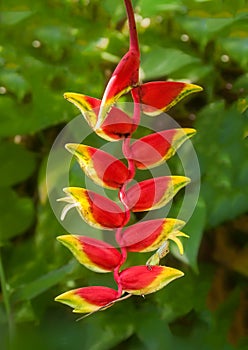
<point>194,228</point>
<point>41,284</point>
<point>18,163</point>
<point>193,72</point>
<point>149,8</point>
<point>14,17</point>
<point>237,49</point>
<point>15,83</point>
<point>17,214</point>
<point>222,186</point>
<point>153,334</point>
<point>56,40</point>
<point>160,62</point>
<point>204,29</point>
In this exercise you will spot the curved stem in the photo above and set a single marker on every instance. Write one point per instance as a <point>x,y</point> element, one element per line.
<point>122,195</point>
<point>137,107</point>
<point>134,43</point>
<point>126,149</point>
<point>123,259</point>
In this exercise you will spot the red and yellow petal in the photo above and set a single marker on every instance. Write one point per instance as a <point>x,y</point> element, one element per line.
<point>149,235</point>
<point>123,79</point>
<point>116,126</point>
<point>94,254</point>
<point>96,210</point>
<point>160,96</point>
<point>154,149</point>
<point>142,280</point>
<point>88,106</point>
<point>88,299</point>
<point>174,237</point>
<point>100,166</point>
<point>154,193</point>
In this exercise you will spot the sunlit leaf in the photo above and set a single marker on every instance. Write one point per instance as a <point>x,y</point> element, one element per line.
<point>13,17</point>
<point>160,61</point>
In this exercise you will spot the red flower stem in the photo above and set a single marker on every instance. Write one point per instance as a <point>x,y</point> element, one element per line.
<point>137,108</point>
<point>122,194</point>
<point>123,259</point>
<point>126,148</point>
<point>134,43</point>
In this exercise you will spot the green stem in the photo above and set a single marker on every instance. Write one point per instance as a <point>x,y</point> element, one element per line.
<point>6,297</point>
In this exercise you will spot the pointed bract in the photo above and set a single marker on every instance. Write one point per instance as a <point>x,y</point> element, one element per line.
<point>94,254</point>
<point>117,124</point>
<point>126,74</point>
<point>152,150</point>
<point>88,299</point>
<point>160,96</point>
<point>96,210</point>
<point>123,79</point>
<point>88,106</point>
<point>142,280</point>
<point>149,235</point>
<point>100,166</point>
<point>154,193</point>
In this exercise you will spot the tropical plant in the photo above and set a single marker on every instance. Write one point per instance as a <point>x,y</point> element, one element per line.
<point>113,124</point>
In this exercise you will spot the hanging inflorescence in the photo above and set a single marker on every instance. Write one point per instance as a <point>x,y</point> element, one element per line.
<point>113,124</point>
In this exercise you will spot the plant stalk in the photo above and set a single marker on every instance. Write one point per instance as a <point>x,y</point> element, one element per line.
<point>134,42</point>
<point>6,298</point>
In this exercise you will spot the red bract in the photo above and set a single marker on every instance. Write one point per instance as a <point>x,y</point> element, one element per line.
<point>153,193</point>
<point>126,74</point>
<point>147,236</point>
<point>124,78</point>
<point>96,210</point>
<point>117,124</point>
<point>88,299</point>
<point>94,254</point>
<point>100,166</point>
<point>154,149</point>
<point>159,96</point>
<point>113,124</point>
<point>141,280</point>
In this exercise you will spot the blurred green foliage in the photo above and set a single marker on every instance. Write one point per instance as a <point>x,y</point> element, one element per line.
<point>52,46</point>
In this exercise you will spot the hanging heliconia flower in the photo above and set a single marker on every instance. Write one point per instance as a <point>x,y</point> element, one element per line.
<point>113,124</point>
